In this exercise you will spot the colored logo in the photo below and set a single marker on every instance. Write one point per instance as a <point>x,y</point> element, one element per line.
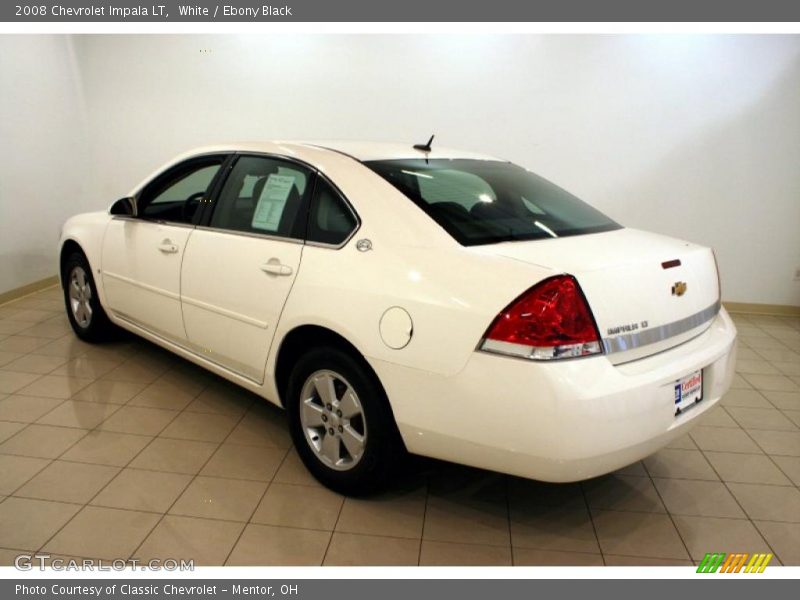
<point>687,386</point>
<point>719,562</point>
<point>679,288</point>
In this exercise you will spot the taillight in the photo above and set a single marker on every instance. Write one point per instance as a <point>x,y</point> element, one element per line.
<point>550,320</point>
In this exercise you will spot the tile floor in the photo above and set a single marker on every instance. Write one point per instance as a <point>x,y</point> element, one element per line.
<point>124,450</point>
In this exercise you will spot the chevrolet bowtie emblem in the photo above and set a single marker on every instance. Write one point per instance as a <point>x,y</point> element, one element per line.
<point>679,288</point>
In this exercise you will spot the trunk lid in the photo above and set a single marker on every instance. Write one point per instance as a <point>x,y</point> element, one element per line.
<point>640,306</point>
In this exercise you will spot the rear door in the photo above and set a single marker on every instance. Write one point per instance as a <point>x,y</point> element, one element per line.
<point>240,264</point>
<point>142,255</point>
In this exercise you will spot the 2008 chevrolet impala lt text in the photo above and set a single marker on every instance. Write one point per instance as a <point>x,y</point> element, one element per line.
<point>400,299</point>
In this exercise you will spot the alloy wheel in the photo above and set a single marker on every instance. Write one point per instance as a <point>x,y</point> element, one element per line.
<point>333,420</point>
<point>80,297</point>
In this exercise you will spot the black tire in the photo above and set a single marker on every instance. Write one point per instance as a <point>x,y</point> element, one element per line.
<point>383,453</point>
<point>97,327</point>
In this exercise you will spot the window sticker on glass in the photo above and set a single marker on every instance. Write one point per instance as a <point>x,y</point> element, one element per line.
<point>271,203</point>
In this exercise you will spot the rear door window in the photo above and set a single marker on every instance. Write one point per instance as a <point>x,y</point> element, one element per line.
<point>331,221</point>
<point>263,195</point>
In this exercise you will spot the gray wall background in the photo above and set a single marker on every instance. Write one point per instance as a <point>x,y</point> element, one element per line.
<point>696,136</point>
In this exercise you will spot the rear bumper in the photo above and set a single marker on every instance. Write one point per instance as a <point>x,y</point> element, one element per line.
<point>560,421</point>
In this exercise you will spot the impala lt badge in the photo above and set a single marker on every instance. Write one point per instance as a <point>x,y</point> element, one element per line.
<point>679,288</point>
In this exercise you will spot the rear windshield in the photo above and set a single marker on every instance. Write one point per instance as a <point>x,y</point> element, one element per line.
<point>484,202</point>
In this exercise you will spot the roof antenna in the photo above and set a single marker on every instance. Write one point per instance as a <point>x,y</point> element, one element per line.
<point>424,147</point>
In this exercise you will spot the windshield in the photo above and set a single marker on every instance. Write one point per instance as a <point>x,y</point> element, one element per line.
<point>484,202</point>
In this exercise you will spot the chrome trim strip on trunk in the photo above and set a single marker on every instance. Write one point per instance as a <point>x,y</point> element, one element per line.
<point>629,341</point>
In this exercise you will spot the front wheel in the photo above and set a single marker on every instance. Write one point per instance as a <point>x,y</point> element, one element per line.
<point>341,423</point>
<point>86,316</point>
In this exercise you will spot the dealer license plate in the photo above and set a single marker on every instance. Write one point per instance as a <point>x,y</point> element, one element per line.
<point>688,391</point>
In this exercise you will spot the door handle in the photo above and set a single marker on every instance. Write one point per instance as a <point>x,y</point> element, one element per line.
<point>167,247</point>
<point>274,267</point>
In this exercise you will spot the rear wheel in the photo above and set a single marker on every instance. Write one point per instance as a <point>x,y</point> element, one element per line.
<point>87,317</point>
<point>341,423</point>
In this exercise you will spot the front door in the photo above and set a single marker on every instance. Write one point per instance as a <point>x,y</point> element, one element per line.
<point>238,271</point>
<point>141,264</point>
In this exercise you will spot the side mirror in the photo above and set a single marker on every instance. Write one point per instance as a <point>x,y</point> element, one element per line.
<point>124,206</point>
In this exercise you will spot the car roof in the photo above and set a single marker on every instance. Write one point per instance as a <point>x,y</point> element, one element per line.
<point>361,151</point>
<point>395,150</point>
<point>314,153</point>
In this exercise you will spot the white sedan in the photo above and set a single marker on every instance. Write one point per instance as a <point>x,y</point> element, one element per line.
<point>395,298</point>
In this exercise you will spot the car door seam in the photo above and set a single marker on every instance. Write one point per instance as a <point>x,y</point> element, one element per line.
<point>180,281</point>
<point>280,314</point>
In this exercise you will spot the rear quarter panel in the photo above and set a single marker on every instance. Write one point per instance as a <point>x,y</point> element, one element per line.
<point>451,296</point>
